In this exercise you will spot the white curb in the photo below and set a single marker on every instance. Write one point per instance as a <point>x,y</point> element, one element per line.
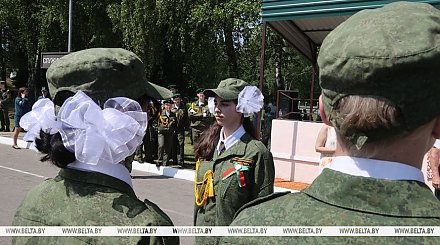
<point>184,174</point>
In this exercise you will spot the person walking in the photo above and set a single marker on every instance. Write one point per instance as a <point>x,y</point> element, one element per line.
<point>233,167</point>
<point>22,105</point>
<point>379,76</point>
<point>91,138</point>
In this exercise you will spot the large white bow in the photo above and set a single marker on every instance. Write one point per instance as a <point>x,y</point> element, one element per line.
<point>250,100</point>
<point>95,135</point>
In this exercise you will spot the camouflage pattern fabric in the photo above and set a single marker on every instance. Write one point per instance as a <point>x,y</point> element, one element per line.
<point>77,198</point>
<point>200,119</point>
<point>338,199</point>
<point>392,52</point>
<point>228,195</point>
<point>102,73</point>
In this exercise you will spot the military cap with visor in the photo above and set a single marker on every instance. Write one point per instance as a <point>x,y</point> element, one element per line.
<point>168,101</point>
<point>200,90</point>
<point>228,89</point>
<point>103,73</point>
<point>177,95</point>
<point>391,52</point>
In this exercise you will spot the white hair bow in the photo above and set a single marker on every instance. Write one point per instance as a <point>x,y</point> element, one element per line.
<point>95,135</point>
<point>250,100</point>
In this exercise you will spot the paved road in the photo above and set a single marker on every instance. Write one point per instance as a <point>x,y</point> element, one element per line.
<point>20,170</point>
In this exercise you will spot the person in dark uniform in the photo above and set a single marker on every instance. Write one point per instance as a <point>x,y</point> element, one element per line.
<point>4,113</point>
<point>379,74</point>
<point>181,113</point>
<point>233,167</point>
<point>93,135</point>
<point>173,88</point>
<point>147,151</point>
<point>199,116</point>
<point>166,127</point>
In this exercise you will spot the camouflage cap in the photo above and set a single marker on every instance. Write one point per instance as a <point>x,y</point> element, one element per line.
<point>103,73</point>
<point>228,89</point>
<point>391,52</point>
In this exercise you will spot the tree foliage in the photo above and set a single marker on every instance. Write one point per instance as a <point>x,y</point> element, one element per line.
<point>191,43</point>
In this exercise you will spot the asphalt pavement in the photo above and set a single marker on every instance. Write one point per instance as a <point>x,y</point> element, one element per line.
<point>21,170</point>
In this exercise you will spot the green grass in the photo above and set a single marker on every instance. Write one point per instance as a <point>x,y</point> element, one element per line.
<point>189,154</point>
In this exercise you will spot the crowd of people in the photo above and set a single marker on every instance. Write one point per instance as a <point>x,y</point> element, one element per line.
<point>170,120</point>
<point>376,70</point>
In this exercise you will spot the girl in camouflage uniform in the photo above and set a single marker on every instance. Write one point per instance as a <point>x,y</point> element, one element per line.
<point>235,169</point>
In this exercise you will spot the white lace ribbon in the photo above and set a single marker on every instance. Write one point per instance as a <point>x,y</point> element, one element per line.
<point>98,135</point>
<point>250,101</point>
<point>40,117</point>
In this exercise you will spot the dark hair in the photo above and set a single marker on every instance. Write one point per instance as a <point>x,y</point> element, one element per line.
<point>52,146</point>
<point>20,91</point>
<point>205,146</point>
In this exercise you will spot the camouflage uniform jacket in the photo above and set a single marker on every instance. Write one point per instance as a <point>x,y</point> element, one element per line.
<point>199,116</point>
<point>181,118</point>
<point>228,195</point>
<point>338,199</point>
<point>77,198</point>
<point>166,124</point>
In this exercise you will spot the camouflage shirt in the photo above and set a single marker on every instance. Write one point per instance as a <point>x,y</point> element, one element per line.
<point>338,199</point>
<point>77,198</point>
<point>231,191</point>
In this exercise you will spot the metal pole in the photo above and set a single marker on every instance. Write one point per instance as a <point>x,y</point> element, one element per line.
<point>262,64</point>
<point>312,89</point>
<point>69,41</point>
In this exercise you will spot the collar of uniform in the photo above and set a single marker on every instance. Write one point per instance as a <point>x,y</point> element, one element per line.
<point>231,139</point>
<point>376,168</point>
<point>198,103</point>
<point>117,171</point>
<point>96,179</point>
<point>239,149</point>
<point>386,197</point>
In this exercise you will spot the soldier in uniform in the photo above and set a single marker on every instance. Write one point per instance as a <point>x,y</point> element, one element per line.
<point>4,114</point>
<point>173,88</point>
<point>147,151</point>
<point>89,144</point>
<point>166,126</point>
<point>233,167</point>
<point>380,81</point>
<point>199,116</point>
<point>180,111</point>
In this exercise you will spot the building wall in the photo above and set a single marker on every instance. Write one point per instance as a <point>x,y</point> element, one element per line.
<point>293,149</point>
